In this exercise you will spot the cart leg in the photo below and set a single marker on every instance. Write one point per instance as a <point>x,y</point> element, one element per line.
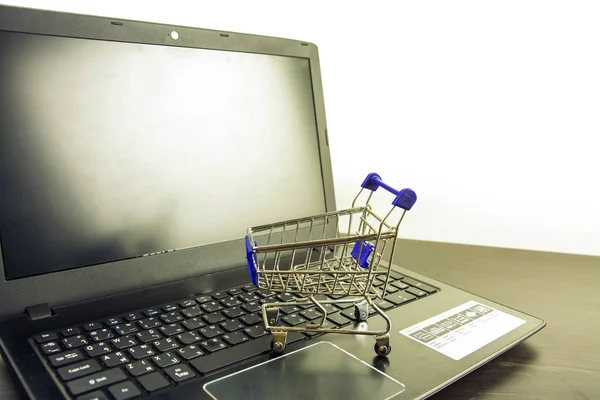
<point>272,315</point>
<point>279,342</point>
<point>361,311</point>
<point>313,325</point>
<point>382,345</point>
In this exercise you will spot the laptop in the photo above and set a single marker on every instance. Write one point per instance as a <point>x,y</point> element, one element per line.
<point>133,158</point>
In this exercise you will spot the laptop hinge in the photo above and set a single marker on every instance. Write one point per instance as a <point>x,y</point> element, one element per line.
<point>39,311</point>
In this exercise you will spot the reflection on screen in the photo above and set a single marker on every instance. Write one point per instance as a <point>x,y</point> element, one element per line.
<point>115,150</point>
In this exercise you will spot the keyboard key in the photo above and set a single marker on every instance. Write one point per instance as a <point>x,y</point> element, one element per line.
<point>249,288</point>
<point>98,349</point>
<point>263,293</point>
<point>79,369</point>
<point>126,329</point>
<point>97,395</point>
<point>70,331</point>
<point>400,298</point>
<point>311,314</point>
<point>170,330</point>
<point>213,362</point>
<point>416,292</point>
<point>124,342</point>
<point>171,317</point>
<point>50,347</point>
<point>383,304</point>
<point>92,326</point>
<point>151,312</point>
<point>251,307</point>
<point>338,319</point>
<point>212,345</point>
<point>166,345</point>
<point>193,323</point>
<point>191,312</point>
<point>391,289</point>
<point>74,341</point>
<point>210,331</point>
<point>133,316</point>
<point>113,321</point>
<point>187,303</point>
<point>213,318</point>
<point>289,309</point>
<point>232,325</point>
<point>65,358</point>
<point>142,351</point>
<point>45,337</point>
<point>153,381</point>
<point>247,297</point>
<point>293,319</point>
<point>344,306</point>
<point>149,335</point>
<point>180,372</point>
<point>164,360</point>
<point>114,359</point>
<point>233,312</point>
<point>203,299</point>
<point>189,352</point>
<point>230,302</point>
<point>256,331</point>
<point>251,319</point>
<point>400,285</point>
<point>149,323</point>
<point>189,337</point>
<point>124,391</point>
<point>234,338</point>
<point>101,335</point>
<point>235,291</point>
<point>139,367</point>
<point>170,307</point>
<point>211,306</point>
<point>396,275</point>
<point>95,381</point>
<point>285,297</point>
<point>219,295</point>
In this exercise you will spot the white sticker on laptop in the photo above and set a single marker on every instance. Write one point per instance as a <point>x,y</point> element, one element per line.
<point>462,330</point>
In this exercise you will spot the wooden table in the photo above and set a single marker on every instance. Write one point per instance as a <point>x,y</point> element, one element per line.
<point>560,362</point>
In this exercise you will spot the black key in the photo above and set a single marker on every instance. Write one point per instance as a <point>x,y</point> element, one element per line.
<point>151,312</point>
<point>166,344</point>
<point>193,323</point>
<point>249,288</point>
<point>101,335</point>
<point>153,381</point>
<point>232,325</point>
<point>187,303</point>
<point>114,359</point>
<point>170,330</point>
<point>399,298</point>
<point>213,362</point>
<point>219,295</point>
<point>97,395</point>
<point>349,313</point>
<point>98,349</point>
<point>133,316</point>
<point>203,299</point>
<point>391,289</point>
<point>50,347</point>
<point>424,287</point>
<point>70,331</point>
<point>124,391</point>
<point>45,337</point>
<point>191,312</point>
<point>330,308</point>
<point>139,367</point>
<point>234,338</point>
<point>293,319</point>
<point>65,358</point>
<point>97,380</point>
<point>113,321</point>
<point>79,369</point>
<point>251,307</point>
<point>170,307</point>
<point>289,309</point>
<point>256,331</point>
<point>235,291</point>
<point>264,293</point>
<point>164,360</point>
<point>248,297</point>
<point>210,331</point>
<point>416,292</point>
<point>149,323</point>
<point>149,335</point>
<point>189,352</point>
<point>211,306</point>
<point>311,314</point>
<point>213,318</point>
<point>285,297</point>
<point>344,306</point>
<point>142,351</point>
<point>212,345</point>
<point>180,372</point>
<point>400,285</point>
<point>126,329</point>
<point>230,302</point>
<point>396,275</point>
<point>171,317</point>
<point>189,337</point>
<point>338,319</point>
<point>251,319</point>
<point>74,341</point>
<point>233,312</point>
<point>124,342</point>
<point>383,304</point>
<point>92,326</point>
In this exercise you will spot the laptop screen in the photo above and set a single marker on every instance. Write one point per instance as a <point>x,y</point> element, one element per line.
<point>113,150</point>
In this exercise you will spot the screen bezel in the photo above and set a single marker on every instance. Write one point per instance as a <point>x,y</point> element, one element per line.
<point>70,286</point>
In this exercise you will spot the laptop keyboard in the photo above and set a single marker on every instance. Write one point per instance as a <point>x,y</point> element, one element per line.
<point>143,351</point>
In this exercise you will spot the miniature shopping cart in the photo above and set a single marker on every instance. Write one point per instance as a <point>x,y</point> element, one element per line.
<point>324,259</point>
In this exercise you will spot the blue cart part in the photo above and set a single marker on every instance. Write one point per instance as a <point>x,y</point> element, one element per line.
<point>365,249</point>
<point>405,198</point>
<point>251,257</point>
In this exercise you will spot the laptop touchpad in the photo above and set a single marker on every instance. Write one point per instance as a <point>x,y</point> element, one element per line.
<point>320,371</point>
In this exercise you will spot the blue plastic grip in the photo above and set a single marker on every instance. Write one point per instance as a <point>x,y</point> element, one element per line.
<point>405,198</point>
<point>251,262</point>
<point>365,249</point>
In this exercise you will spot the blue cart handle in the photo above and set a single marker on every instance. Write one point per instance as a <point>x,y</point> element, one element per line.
<point>405,198</point>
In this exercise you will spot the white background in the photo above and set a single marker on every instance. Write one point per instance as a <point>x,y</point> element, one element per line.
<point>490,111</point>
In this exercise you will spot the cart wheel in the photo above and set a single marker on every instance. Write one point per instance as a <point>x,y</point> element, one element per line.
<point>277,347</point>
<point>361,311</point>
<point>382,349</point>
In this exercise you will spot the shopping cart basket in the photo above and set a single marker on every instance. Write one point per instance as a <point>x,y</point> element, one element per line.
<point>336,254</point>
